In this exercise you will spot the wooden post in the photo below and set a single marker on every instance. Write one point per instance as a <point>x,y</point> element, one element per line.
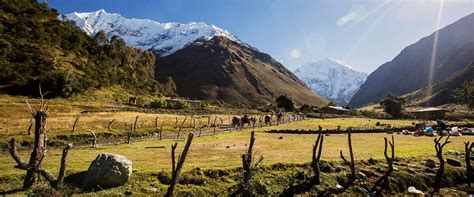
<point>246,167</point>
<point>156,122</point>
<point>161,129</point>
<point>467,154</point>
<point>135,123</point>
<point>94,141</point>
<point>130,133</point>
<point>29,127</point>
<point>109,126</point>
<point>63,167</point>
<point>181,126</point>
<point>215,119</point>
<point>317,150</point>
<point>75,123</point>
<point>200,128</point>
<point>439,153</point>
<point>176,168</point>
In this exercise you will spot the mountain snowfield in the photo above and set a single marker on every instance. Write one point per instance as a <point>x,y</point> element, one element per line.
<point>332,79</point>
<point>161,38</point>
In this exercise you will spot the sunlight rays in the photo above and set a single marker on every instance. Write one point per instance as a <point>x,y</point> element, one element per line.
<point>435,48</point>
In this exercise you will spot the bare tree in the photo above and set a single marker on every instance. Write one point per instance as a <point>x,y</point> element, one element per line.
<point>317,150</point>
<point>439,154</point>
<point>94,141</point>
<point>109,126</point>
<point>54,182</point>
<point>467,154</point>
<point>351,154</point>
<point>75,123</point>
<point>385,180</point>
<point>176,168</point>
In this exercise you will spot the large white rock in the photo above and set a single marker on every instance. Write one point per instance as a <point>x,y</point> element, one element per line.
<point>109,170</point>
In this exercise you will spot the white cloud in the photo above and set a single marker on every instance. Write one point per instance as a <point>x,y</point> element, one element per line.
<point>348,17</point>
<point>295,53</point>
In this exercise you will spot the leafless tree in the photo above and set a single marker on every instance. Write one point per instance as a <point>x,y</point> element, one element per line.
<point>317,150</point>
<point>439,154</point>
<point>247,169</point>
<point>176,168</point>
<point>53,181</point>
<point>467,154</point>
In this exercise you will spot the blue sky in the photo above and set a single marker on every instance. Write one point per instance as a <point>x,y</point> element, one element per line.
<point>363,33</point>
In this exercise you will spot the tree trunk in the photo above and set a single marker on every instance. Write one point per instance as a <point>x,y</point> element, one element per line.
<point>38,150</point>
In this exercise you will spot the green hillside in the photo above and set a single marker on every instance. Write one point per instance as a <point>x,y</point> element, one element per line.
<point>36,47</point>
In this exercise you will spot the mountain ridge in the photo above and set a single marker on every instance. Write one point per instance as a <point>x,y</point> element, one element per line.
<point>222,69</point>
<point>410,70</point>
<point>161,38</point>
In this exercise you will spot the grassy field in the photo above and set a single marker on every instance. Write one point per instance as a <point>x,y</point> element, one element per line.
<point>224,150</point>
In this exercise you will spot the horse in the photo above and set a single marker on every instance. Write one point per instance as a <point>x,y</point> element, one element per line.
<point>268,120</point>
<point>236,121</point>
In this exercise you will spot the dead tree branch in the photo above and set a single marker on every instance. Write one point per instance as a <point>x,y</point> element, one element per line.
<point>176,168</point>
<point>351,154</point>
<point>55,183</point>
<point>439,154</point>
<point>384,181</point>
<point>29,127</point>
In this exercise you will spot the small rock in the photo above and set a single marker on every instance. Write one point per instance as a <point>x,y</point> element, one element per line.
<point>430,163</point>
<point>368,173</point>
<point>361,175</point>
<point>453,162</point>
<point>413,190</point>
<point>326,167</point>
<point>154,190</point>
<point>280,138</point>
<point>338,169</point>
<point>128,192</point>
<point>339,187</point>
<point>227,147</point>
<point>410,170</point>
<point>372,161</point>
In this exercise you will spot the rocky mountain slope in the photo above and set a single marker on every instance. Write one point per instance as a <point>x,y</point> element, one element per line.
<point>226,70</point>
<point>161,38</point>
<point>441,92</point>
<point>413,68</point>
<point>332,79</point>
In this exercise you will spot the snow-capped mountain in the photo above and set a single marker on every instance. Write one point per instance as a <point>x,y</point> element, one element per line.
<point>332,79</point>
<point>161,38</point>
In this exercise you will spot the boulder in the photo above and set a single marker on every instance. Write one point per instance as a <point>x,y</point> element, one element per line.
<point>453,162</point>
<point>108,170</point>
<point>430,163</point>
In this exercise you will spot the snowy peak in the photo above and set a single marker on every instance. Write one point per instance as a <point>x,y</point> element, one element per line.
<point>333,79</point>
<point>162,38</point>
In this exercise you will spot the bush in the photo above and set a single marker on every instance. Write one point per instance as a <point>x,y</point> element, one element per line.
<point>159,103</point>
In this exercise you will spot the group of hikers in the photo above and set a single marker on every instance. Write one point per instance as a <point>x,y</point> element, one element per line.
<point>441,129</point>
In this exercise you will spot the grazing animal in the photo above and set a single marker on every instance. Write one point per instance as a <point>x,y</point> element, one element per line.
<point>236,121</point>
<point>268,120</point>
<point>245,120</point>
<point>253,120</point>
<point>279,117</point>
